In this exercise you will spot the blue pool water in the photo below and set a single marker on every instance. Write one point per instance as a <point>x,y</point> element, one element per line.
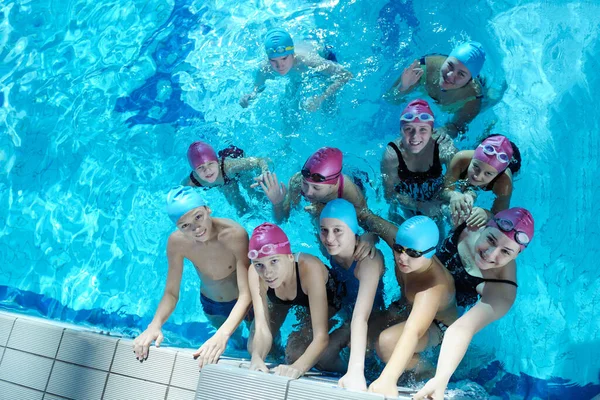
<point>99,101</point>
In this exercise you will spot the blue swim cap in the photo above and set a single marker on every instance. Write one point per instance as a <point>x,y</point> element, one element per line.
<point>343,210</point>
<point>278,43</point>
<point>418,233</point>
<point>182,199</point>
<point>471,54</point>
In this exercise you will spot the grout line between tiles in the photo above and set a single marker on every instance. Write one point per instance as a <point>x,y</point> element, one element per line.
<point>7,339</point>
<point>23,386</point>
<point>62,334</point>
<point>110,368</point>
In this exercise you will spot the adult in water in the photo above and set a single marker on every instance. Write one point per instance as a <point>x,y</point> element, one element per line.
<point>483,265</point>
<point>359,291</point>
<point>490,167</point>
<point>319,181</point>
<point>427,289</point>
<point>223,170</point>
<point>280,280</point>
<point>218,248</point>
<point>284,60</point>
<point>412,165</point>
<point>452,81</point>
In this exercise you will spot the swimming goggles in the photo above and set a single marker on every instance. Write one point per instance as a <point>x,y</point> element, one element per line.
<point>506,225</point>
<point>412,253</point>
<point>280,49</point>
<point>490,150</point>
<point>410,117</point>
<point>318,178</point>
<point>266,250</point>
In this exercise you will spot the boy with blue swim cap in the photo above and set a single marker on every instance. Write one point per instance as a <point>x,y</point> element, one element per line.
<point>449,80</point>
<point>359,291</point>
<point>218,249</point>
<point>285,59</point>
<point>428,288</point>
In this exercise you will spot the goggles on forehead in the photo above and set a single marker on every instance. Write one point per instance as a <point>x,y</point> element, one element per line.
<point>412,253</point>
<point>279,49</point>
<point>410,117</point>
<point>490,150</point>
<point>506,225</point>
<point>266,250</point>
<point>318,178</point>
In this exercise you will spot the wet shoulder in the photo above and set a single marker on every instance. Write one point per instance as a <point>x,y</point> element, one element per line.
<point>229,229</point>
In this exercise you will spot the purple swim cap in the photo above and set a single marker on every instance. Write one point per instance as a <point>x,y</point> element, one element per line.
<point>199,153</point>
<point>324,166</point>
<point>495,151</point>
<point>516,223</point>
<point>267,240</point>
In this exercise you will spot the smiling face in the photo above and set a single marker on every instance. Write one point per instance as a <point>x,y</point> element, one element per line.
<point>337,237</point>
<point>480,173</point>
<point>282,65</point>
<point>317,192</point>
<point>408,264</point>
<point>415,136</point>
<point>209,171</point>
<point>453,74</point>
<point>196,224</point>
<point>493,249</point>
<point>275,269</point>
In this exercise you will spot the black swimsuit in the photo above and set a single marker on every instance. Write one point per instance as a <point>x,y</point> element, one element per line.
<point>420,186</point>
<point>465,283</point>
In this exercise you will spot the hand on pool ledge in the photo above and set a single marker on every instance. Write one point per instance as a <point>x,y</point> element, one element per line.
<point>433,389</point>
<point>141,344</point>
<point>384,386</point>
<point>353,381</point>
<point>211,350</point>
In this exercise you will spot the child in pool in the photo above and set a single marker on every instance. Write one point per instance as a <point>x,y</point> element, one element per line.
<point>490,167</point>
<point>449,80</point>
<point>283,60</point>
<point>223,170</point>
<point>218,249</point>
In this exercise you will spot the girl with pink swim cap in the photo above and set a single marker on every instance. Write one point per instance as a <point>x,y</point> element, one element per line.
<point>319,181</point>
<point>451,81</point>
<point>483,265</point>
<point>279,280</point>
<point>490,167</point>
<point>212,170</point>
<point>412,165</point>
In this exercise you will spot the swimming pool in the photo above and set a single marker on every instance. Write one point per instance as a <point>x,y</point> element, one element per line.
<point>101,99</point>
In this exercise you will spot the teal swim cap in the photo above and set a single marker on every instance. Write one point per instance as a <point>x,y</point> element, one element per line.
<point>182,199</point>
<point>343,210</point>
<point>278,43</point>
<point>418,233</point>
<point>471,54</point>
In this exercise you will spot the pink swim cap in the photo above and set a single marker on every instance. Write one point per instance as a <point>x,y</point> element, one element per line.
<point>267,240</point>
<point>199,153</point>
<point>516,223</point>
<point>495,151</point>
<point>324,166</point>
<point>413,110</point>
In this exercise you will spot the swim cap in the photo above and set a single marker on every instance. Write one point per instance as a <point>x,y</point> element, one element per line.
<point>419,233</point>
<point>417,107</point>
<point>199,153</point>
<point>516,223</point>
<point>326,162</point>
<point>471,54</point>
<point>266,240</point>
<point>343,210</point>
<point>182,199</point>
<point>491,151</point>
<point>278,43</point>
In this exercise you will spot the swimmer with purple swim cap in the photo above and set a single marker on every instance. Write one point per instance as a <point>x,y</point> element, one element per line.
<point>280,280</point>
<point>490,167</point>
<point>485,276</point>
<point>218,250</point>
<point>427,290</point>
<point>284,58</point>
<point>452,81</point>
<point>210,169</point>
